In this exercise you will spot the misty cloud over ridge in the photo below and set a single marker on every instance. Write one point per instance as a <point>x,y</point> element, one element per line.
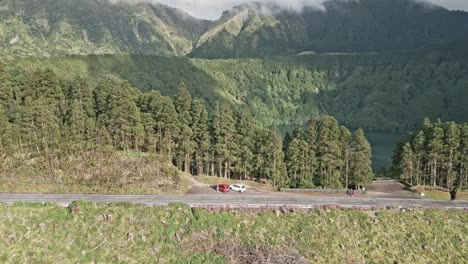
<point>212,9</point>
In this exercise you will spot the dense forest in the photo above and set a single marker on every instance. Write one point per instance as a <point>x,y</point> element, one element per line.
<point>40,114</point>
<point>436,155</point>
<point>378,92</point>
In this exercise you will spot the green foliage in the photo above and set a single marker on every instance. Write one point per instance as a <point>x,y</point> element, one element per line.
<point>378,92</point>
<point>257,30</point>
<point>49,115</point>
<point>33,28</point>
<point>436,155</point>
<point>361,166</point>
<point>327,156</point>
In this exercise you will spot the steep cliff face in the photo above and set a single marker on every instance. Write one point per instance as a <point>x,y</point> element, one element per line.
<point>66,27</point>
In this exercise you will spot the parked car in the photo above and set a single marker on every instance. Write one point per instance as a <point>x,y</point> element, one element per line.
<point>238,188</point>
<point>223,188</point>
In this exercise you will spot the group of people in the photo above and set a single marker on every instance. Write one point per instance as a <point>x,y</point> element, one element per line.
<point>352,192</point>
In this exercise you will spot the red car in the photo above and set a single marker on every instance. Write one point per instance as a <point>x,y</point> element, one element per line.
<point>223,188</point>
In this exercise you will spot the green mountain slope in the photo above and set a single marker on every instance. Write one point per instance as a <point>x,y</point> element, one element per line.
<point>65,27</point>
<point>253,29</point>
<point>344,26</point>
<point>379,92</point>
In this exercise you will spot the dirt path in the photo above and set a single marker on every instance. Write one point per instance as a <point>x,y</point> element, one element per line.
<point>194,182</point>
<point>389,189</point>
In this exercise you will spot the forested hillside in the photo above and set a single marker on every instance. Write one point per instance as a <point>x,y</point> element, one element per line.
<point>378,92</point>
<point>43,28</point>
<point>342,26</point>
<point>38,28</point>
<point>42,116</point>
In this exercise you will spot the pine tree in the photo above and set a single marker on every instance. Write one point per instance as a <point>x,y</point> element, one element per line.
<point>101,95</point>
<point>329,152</point>
<point>436,148</point>
<point>301,160</point>
<point>245,136</point>
<point>452,143</point>
<point>407,163</point>
<point>361,166</point>
<point>463,150</point>
<point>77,122</point>
<point>5,130</point>
<point>149,127</point>
<point>45,126</point>
<point>124,119</point>
<point>45,85</point>
<point>164,114</point>
<point>185,144</point>
<point>419,148</point>
<point>201,134</point>
<point>276,170</point>
<point>346,144</point>
<point>6,91</point>
<point>224,137</point>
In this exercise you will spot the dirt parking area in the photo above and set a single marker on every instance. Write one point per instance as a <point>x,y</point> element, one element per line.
<point>389,189</point>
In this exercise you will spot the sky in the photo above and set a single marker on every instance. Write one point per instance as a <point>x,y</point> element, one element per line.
<point>212,9</point>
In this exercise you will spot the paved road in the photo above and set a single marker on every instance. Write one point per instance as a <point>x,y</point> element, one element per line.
<point>239,201</point>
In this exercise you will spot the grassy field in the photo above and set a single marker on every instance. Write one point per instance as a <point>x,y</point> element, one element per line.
<point>439,195</point>
<point>123,233</point>
<point>253,184</point>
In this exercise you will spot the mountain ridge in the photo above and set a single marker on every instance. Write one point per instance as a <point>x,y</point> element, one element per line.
<point>34,28</point>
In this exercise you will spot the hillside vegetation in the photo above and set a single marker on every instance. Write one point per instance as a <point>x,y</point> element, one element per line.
<point>50,127</point>
<point>256,30</point>
<point>177,234</point>
<point>437,155</point>
<point>378,92</point>
<point>43,28</point>
<point>37,28</point>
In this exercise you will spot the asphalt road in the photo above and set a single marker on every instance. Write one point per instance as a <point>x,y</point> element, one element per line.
<point>238,201</point>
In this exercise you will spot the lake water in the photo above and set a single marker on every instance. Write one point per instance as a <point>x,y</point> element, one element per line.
<point>382,144</point>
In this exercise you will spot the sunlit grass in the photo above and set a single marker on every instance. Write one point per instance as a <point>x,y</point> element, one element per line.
<point>124,233</point>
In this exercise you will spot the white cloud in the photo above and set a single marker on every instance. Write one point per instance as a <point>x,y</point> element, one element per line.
<point>453,4</point>
<point>212,9</point>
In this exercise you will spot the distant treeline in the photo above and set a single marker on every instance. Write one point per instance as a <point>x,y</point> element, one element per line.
<point>377,91</point>
<point>437,155</point>
<point>39,113</point>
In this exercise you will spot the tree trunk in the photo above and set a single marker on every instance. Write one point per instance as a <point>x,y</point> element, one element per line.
<point>417,171</point>
<point>220,172</point>
<point>449,170</point>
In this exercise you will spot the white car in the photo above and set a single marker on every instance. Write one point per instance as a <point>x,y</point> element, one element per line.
<point>238,188</point>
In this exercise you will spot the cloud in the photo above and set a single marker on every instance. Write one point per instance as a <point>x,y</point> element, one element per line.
<point>212,9</point>
<point>453,4</point>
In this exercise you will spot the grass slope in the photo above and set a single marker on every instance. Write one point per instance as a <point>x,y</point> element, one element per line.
<point>123,233</point>
<point>103,172</point>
